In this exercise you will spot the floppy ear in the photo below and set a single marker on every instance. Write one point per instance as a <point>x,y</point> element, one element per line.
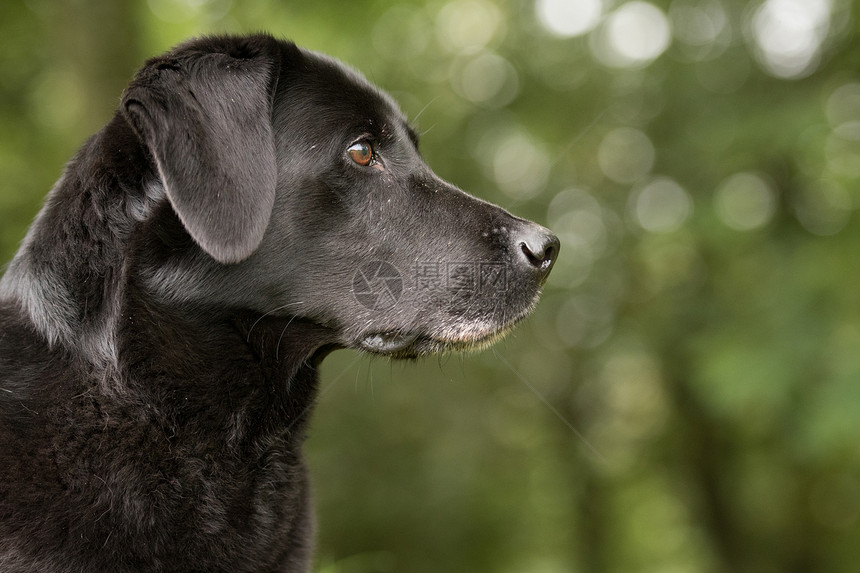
<point>206,119</point>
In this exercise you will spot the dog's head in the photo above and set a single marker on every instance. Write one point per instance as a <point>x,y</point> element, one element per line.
<point>304,195</point>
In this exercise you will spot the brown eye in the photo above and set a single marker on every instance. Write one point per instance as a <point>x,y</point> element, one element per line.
<point>361,152</point>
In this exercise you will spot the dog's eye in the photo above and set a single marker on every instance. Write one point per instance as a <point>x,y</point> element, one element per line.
<point>361,153</point>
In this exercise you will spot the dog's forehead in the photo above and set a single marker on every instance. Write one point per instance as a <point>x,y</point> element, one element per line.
<point>350,89</point>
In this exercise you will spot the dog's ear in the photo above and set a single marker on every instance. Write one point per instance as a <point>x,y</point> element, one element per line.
<point>206,119</point>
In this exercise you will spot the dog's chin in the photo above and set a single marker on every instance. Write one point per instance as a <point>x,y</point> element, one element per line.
<point>396,344</point>
<point>406,346</point>
<point>464,335</point>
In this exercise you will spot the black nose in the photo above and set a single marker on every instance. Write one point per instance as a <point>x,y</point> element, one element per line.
<point>538,248</point>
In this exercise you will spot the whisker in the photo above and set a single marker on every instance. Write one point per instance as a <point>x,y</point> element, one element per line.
<point>267,314</point>
<point>578,136</point>
<point>281,337</point>
<point>324,391</point>
<point>552,408</point>
<point>423,109</point>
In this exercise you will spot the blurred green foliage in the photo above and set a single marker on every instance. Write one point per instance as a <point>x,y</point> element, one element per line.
<point>687,395</point>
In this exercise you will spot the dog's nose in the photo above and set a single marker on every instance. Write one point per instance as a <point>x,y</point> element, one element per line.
<point>538,248</point>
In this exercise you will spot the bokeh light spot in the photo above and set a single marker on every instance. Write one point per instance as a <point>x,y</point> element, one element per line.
<point>468,24</point>
<point>788,35</point>
<point>697,23</point>
<point>584,321</point>
<point>661,206</point>
<point>843,154</point>
<point>520,166</point>
<point>401,33</point>
<point>487,79</point>
<point>47,109</point>
<point>745,201</point>
<point>635,393</point>
<point>701,27</point>
<point>625,155</point>
<point>843,105</point>
<point>823,208</point>
<point>178,11</point>
<point>577,218</point>
<point>569,18</point>
<point>632,36</point>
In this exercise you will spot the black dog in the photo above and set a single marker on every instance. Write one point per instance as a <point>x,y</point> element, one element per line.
<point>251,207</point>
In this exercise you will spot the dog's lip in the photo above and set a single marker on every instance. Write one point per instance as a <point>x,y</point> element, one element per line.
<point>388,342</point>
<point>407,345</point>
<point>412,345</point>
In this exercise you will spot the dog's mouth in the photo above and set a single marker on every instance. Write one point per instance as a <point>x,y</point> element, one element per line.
<point>388,342</point>
<point>395,344</point>
<point>462,334</point>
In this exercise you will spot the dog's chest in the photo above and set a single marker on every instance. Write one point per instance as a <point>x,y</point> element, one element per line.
<point>156,492</point>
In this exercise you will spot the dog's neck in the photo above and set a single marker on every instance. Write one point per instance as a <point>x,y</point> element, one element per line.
<point>78,273</point>
<point>67,274</point>
<point>176,357</point>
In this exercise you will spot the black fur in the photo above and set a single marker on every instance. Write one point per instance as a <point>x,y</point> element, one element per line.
<point>162,323</point>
